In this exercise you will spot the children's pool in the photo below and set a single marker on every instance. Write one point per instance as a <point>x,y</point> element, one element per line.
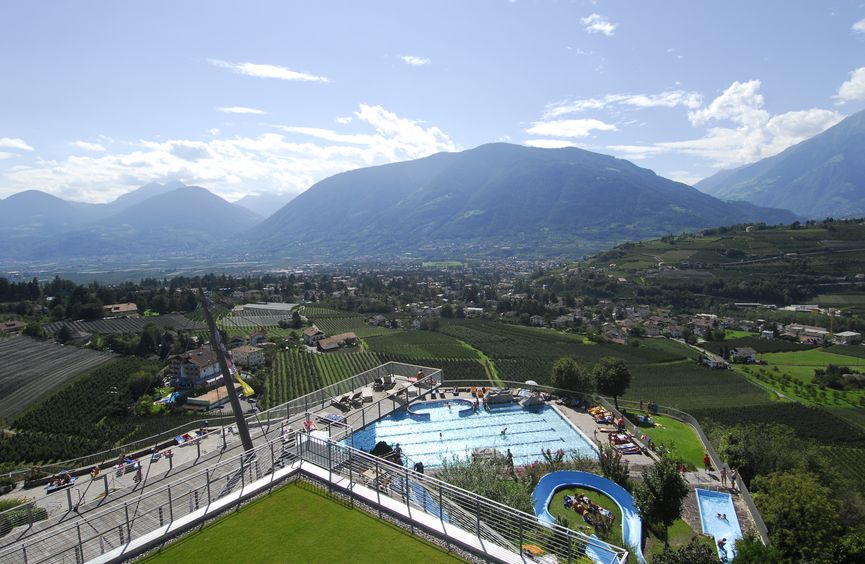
<point>447,434</point>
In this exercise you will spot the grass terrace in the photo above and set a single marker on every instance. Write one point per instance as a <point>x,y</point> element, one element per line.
<point>300,523</point>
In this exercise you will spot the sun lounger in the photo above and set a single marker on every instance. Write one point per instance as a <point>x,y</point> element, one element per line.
<point>356,398</point>
<point>366,395</point>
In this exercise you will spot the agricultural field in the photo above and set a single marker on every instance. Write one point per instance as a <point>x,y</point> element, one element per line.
<point>252,321</point>
<point>33,369</point>
<point>350,324</point>
<point>85,417</point>
<point>127,325</point>
<point>523,353</point>
<point>297,372</point>
<point>813,359</point>
<point>851,461</point>
<point>756,343</point>
<point>421,344</point>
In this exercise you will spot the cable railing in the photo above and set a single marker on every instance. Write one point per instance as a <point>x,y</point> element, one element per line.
<point>318,399</point>
<point>439,508</point>
<point>271,423</point>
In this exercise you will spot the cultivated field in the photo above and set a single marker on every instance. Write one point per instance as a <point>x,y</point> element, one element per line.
<point>128,325</point>
<point>32,369</point>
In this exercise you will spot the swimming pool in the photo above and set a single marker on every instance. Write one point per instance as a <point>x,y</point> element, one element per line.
<point>449,433</point>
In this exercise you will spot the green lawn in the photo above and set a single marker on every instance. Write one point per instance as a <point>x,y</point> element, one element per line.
<point>734,334</point>
<point>679,437</point>
<point>814,358</point>
<point>575,520</point>
<point>300,523</point>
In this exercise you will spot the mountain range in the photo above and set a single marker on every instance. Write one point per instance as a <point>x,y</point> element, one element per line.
<point>823,176</point>
<point>497,200</point>
<point>152,221</point>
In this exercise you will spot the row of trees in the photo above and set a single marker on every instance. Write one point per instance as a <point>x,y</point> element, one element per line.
<point>609,377</point>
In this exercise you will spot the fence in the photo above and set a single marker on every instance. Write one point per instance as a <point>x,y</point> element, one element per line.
<point>263,426</point>
<point>490,529</point>
<point>315,400</point>
<point>762,531</point>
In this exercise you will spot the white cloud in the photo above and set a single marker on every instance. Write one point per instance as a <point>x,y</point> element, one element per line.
<point>859,27</point>
<point>290,160</point>
<point>5,155</point>
<point>267,71</point>
<point>548,143</point>
<point>213,131</point>
<point>15,143</point>
<point>854,88</point>
<point>569,127</point>
<point>684,176</point>
<point>665,99</point>
<point>95,147</point>
<point>739,130</point>
<point>240,110</point>
<point>344,120</point>
<point>414,61</point>
<point>596,23</point>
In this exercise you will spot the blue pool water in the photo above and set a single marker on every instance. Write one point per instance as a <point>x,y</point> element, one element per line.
<point>711,504</point>
<point>529,430</point>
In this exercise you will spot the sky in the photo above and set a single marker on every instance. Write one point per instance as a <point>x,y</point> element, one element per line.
<point>98,98</point>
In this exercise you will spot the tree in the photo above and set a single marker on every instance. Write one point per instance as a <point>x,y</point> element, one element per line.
<point>64,334</point>
<point>447,310</point>
<point>613,466</point>
<point>800,513</point>
<point>660,495</point>
<point>296,321</point>
<point>569,375</point>
<point>612,377</point>
<point>751,550</point>
<point>698,551</point>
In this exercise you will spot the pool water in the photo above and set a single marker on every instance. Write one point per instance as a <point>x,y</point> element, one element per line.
<point>711,504</point>
<point>446,434</point>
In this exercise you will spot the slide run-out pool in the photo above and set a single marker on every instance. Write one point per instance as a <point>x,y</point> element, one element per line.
<point>632,525</point>
<point>712,504</point>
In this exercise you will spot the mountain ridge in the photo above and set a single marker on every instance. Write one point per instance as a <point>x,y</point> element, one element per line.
<point>820,177</point>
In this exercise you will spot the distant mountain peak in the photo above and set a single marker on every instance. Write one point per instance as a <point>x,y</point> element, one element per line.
<point>820,177</point>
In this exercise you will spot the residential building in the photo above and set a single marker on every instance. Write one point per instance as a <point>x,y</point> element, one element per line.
<point>198,367</point>
<point>745,355</point>
<point>120,309</point>
<point>337,341</point>
<point>12,327</point>
<point>248,356</point>
<point>847,338</point>
<point>311,335</point>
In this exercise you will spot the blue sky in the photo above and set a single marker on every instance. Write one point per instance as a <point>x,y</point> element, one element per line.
<point>98,98</point>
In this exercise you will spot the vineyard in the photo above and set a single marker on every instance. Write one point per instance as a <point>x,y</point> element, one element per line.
<point>421,344</point>
<point>297,372</point>
<point>356,325</point>
<point>128,325</point>
<point>32,368</point>
<point>522,353</point>
<point>852,460</point>
<point>85,417</point>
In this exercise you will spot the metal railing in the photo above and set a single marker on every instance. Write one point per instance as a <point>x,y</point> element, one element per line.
<point>48,511</point>
<point>318,399</point>
<point>186,502</point>
<point>717,461</point>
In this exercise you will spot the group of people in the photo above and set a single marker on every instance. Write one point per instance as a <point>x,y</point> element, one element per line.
<point>60,480</point>
<point>590,510</point>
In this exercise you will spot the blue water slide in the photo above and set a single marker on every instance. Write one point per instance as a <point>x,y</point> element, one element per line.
<point>632,525</point>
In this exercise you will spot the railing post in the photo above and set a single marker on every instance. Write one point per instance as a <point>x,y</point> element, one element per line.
<point>569,546</point>
<point>24,553</point>
<point>377,490</point>
<point>79,556</point>
<point>128,528</point>
<point>207,477</point>
<point>170,506</point>
<point>273,465</point>
<point>350,479</point>
<point>520,538</point>
<point>330,466</point>
<point>478,515</point>
<point>441,507</point>
<point>161,520</point>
